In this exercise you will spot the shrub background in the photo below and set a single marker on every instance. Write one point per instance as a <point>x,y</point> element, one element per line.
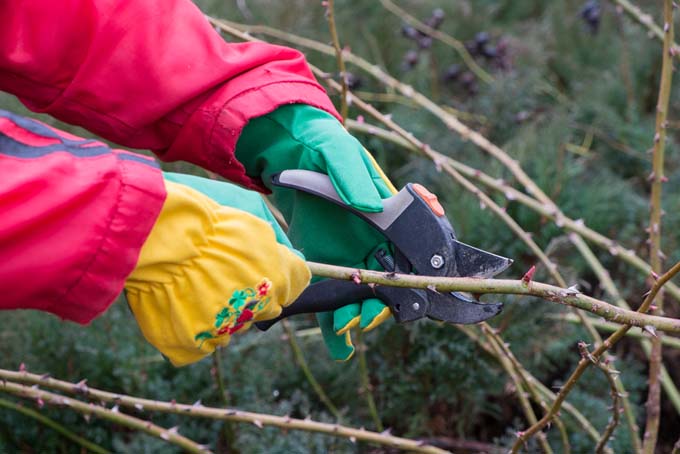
<point>573,103</point>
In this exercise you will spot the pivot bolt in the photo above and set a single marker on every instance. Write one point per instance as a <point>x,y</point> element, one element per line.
<point>416,306</point>
<point>437,261</point>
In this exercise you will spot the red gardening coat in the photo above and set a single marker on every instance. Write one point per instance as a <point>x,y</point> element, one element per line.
<point>147,74</point>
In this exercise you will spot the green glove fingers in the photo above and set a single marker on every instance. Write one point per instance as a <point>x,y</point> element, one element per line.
<point>367,315</point>
<point>346,318</point>
<point>339,346</point>
<point>336,326</point>
<point>302,137</point>
<point>373,313</point>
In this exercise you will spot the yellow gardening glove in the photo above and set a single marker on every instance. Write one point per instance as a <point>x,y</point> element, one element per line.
<point>208,270</point>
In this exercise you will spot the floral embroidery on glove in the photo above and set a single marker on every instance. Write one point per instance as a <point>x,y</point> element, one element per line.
<point>240,309</point>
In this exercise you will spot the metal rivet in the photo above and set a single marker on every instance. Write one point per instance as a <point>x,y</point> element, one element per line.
<point>437,261</point>
<point>416,306</point>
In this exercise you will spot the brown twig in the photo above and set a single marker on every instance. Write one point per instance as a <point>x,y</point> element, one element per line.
<point>227,429</point>
<point>568,297</point>
<point>512,194</point>
<point>86,445</point>
<point>304,366</point>
<point>583,363</point>
<point>340,62</point>
<point>653,405</point>
<point>610,375</point>
<point>668,341</point>
<point>112,415</point>
<point>366,388</point>
<point>645,19</point>
<point>198,410</point>
<point>542,389</point>
<point>608,284</point>
<point>519,384</point>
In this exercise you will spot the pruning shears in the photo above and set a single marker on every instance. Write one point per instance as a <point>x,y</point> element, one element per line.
<point>424,243</point>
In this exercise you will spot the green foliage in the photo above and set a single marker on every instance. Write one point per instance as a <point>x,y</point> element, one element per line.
<point>575,108</point>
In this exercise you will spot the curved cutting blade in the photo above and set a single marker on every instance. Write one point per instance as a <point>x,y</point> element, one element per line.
<point>456,308</point>
<point>473,262</point>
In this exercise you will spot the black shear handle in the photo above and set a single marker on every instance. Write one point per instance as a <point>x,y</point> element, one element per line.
<point>406,304</point>
<point>323,296</point>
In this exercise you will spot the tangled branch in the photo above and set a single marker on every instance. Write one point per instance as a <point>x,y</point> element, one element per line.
<point>568,296</point>
<point>196,410</point>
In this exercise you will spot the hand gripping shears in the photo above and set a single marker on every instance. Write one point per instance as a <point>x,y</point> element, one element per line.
<point>424,243</point>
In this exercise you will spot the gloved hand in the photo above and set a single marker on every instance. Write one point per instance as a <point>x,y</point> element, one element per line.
<point>215,261</point>
<point>303,137</point>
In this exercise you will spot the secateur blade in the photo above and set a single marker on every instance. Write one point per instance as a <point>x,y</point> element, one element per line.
<point>474,262</point>
<point>422,242</point>
<point>456,308</point>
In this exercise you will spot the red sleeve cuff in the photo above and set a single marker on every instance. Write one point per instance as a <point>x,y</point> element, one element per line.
<point>230,117</point>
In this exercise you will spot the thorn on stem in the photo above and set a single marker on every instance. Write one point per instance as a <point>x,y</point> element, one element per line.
<point>650,329</point>
<point>528,276</point>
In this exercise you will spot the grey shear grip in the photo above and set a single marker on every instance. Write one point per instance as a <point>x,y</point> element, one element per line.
<point>320,185</point>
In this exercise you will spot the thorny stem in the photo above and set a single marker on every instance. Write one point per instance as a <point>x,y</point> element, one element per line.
<point>512,194</point>
<point>198,410</point>
<point>608,284</point>
<point>438,35</point>
<point>330,15</point>
<point>304,366</point>
<point>366,387</point>
<point>113,415</point>
<point>542,389</point>
<point>614,392</point>
<point>504,349</point>
<point>52,424</point>
<point>583,363</point>
<point>668,341</point>
<point>552,210</point>
<point>519,386</point>
<point>568,297</point>
<point>653,405</point>
<point>546,208</point>
<point>645,19</point>
<point>227,429</point>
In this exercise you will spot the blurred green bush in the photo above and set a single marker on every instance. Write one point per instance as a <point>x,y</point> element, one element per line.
<point>573,102</point>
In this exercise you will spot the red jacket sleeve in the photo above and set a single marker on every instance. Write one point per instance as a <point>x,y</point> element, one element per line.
<point>75,215</point>
<point>150,74</point>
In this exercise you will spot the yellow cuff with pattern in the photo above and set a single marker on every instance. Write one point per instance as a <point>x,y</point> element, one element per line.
<point>206,272</point>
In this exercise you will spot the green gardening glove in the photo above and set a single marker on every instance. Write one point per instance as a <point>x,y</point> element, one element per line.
<point>302,137</point>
